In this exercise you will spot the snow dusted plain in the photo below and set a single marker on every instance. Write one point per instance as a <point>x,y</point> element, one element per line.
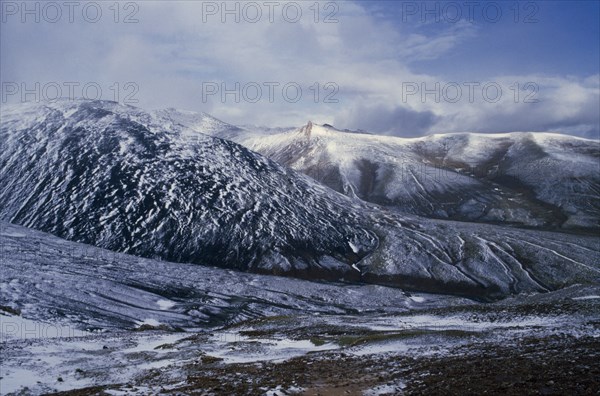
<point>142,253</point>
<point>78,317</point>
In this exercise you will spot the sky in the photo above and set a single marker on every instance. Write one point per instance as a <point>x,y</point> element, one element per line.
<point>399,68</point>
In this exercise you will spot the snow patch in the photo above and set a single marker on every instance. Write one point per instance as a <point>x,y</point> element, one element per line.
<point>165,304</point>
<point>149,321</point>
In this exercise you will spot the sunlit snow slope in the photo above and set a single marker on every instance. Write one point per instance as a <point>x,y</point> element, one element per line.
<point>131,181</point>
<point>152,184</point>
<point>540,180</point>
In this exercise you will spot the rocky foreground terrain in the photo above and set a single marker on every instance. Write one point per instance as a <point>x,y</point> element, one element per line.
<point>80,320</point>
<point>148,184</point>
<point>167,252</point>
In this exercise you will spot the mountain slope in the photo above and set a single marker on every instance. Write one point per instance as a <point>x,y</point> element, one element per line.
<point>143,183</point>
<point>126,180</point>
<point>110,323</point>
<point>46,278</point>
<point>538,180</point>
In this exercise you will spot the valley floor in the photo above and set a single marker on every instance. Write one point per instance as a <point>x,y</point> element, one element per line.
<point>550,345</point>
<point>78,320</point>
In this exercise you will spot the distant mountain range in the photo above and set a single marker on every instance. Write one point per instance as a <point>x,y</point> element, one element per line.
<point>176,186</point>
<point>535,180</point>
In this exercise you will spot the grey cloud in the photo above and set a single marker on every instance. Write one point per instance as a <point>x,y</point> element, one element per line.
<point>170,53</point>
<point>396,121</point>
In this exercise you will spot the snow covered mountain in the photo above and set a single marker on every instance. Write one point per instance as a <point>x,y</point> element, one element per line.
<point>98,288</point>
<point>130,181</point>
<point>152,184</point>
<point>538,180</point>
<point>90,321</point>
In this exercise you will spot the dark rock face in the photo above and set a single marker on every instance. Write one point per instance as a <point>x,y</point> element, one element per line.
<point>144,183</point>
<point>126,180</point>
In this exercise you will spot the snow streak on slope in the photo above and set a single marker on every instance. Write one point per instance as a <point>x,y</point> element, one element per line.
<point>145,183</point>
<point>73,316</point>
<point>130,181</point>
<point>537,180</point>
<point>48,278</point>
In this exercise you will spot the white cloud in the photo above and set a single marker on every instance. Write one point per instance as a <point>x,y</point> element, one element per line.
<point>171,52</point>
